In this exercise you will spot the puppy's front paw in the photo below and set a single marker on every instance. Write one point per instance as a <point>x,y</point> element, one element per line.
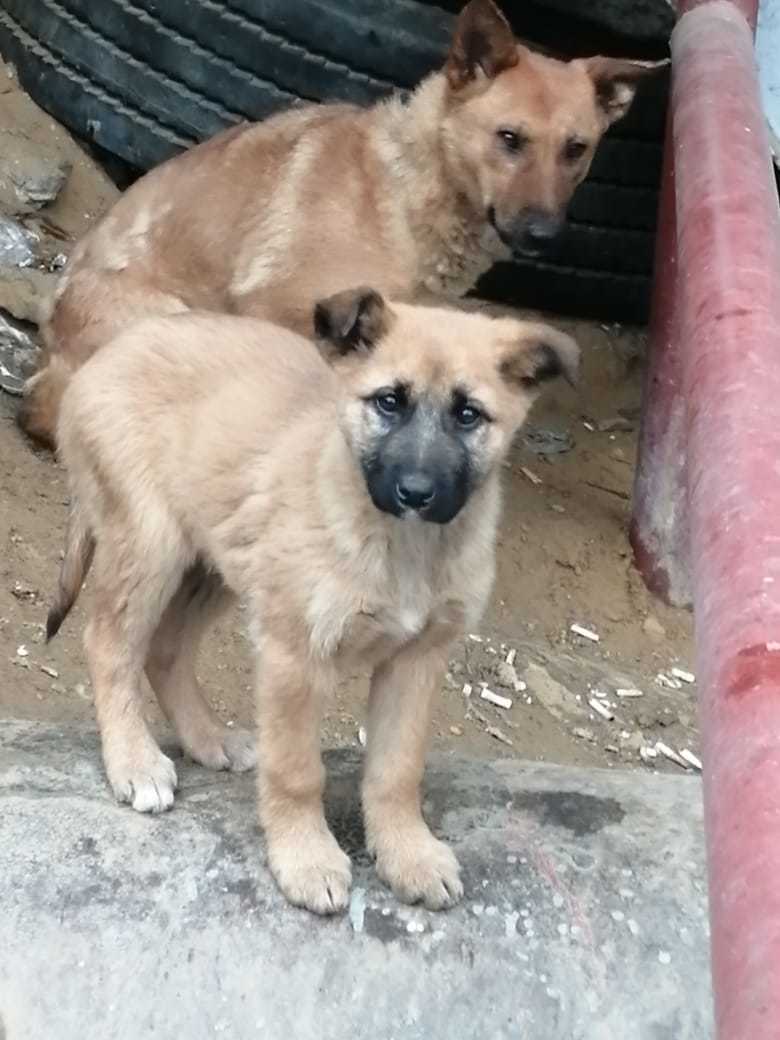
<point>420,869</point>
<point>312,872</point>
<point>146,780</point>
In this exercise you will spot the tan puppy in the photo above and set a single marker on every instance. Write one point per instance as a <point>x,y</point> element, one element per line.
<point>410,196</point>
<point>351,502</point>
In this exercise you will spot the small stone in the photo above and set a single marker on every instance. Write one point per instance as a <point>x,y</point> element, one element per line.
<point>456,731</point>
<point>23,591</point>
<point>652,627</point>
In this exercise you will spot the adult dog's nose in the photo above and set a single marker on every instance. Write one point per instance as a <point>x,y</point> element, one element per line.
<point>414,490</point>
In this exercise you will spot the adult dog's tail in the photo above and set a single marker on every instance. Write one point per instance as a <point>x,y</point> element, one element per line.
<point>79,547</point>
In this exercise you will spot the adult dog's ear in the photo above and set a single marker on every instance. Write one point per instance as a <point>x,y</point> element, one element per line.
<point>482,41</point>
<point>539,354</point>
<point>353,320</point>
<point>616,80</point>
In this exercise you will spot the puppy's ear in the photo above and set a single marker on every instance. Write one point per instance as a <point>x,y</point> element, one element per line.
<point>353,320</point>
<point>541,353</point>
<point>616,80</point>
<point>483,40</point>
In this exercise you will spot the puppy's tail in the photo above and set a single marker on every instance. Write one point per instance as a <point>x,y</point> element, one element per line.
<point>79,547</point>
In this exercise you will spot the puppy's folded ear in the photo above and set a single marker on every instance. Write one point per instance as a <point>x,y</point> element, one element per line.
<point>353,320</point>
<point>541,353</point>
<point>616,80</point>
<point>483,42</point>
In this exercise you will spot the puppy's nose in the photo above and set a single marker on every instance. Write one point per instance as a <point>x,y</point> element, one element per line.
<point>414,490</point>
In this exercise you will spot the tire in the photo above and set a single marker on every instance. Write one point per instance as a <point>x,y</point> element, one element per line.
<point>144,79</point>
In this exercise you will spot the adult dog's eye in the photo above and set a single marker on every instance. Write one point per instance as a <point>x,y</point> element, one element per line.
<point>513,141</point>
<point>467,416</point>
<point>388,402</point>
<point>574,149</point>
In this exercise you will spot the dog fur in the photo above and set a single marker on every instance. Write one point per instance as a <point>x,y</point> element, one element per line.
<point>412,196</point>
<point>216,456</point>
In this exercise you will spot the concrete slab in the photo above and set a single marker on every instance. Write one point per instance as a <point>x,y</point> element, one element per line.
<point>584,916</point>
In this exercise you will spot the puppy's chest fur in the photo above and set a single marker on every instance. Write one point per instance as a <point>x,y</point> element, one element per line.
<point>384,599</point>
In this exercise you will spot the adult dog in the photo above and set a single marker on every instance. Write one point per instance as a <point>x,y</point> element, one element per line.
<point>351,502</point>
<point>409,195</point>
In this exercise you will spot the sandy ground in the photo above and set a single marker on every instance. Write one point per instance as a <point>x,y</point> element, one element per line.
<point>563,558</point>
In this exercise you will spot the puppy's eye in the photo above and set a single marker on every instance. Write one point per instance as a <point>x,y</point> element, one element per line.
<point>512,141</point>
<point>388,402</point>
<point>574,149</point>
<point>467,416</point>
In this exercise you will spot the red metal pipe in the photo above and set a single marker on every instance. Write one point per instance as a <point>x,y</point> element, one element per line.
<point>728,239</point>
<point>659,523</point>
<point>659,532</point>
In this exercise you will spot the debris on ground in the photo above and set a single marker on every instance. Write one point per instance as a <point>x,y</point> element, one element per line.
<point>498,734</point>
<point>495,698</point>
<point>31,176</point>
<point>18,246</point>
<point>547,442</point>
<point>616,424</point>
<point>18,353</point>
<point>691,759</point>
<point>586,633</point>
<point>531,476</point>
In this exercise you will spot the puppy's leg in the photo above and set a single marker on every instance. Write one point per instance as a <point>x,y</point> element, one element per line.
<point>127,603</point>
<point>304,857</point>
<point>170,667</point>
<point>417,866</point>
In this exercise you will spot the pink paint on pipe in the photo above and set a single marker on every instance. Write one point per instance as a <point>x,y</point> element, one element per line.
<point>728,237</point>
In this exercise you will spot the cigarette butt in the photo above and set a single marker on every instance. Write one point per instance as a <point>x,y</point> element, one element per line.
<point>670,753</point>
<point>691,759</point>
<point>496,698</point>
<point>586,633</point>
<point>497,734</point>
<point>601,709</point>
<point>680,673</point>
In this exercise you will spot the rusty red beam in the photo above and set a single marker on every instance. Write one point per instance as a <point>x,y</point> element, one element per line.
<point>659,530</point>
<point>727,336</point>
<point>659,523</point>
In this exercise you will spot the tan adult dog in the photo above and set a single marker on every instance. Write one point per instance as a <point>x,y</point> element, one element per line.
<point>351,504</point>
<point>424,194</point>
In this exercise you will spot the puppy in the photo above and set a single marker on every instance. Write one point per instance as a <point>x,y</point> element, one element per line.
<point>348,494</point>
<point>413,196</point>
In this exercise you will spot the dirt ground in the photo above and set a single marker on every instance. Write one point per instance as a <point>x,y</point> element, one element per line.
<point>563,559</point>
